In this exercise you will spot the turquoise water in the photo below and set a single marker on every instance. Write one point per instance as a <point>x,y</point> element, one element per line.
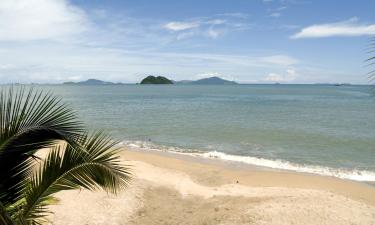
<point>327,130</point>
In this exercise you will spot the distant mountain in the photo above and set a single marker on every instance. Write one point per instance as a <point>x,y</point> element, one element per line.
<point>156,80</point>
<point>210,81</point>
<point>91,82</point>
<point>213,80</point>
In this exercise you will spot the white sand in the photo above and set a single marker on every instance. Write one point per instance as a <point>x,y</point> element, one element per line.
<point>171,194</point>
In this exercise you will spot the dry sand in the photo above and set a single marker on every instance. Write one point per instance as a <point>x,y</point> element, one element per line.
<point>170,189</point>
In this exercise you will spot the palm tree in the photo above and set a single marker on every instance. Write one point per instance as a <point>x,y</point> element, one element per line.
<point>371,60</point>
<point>33,120</point>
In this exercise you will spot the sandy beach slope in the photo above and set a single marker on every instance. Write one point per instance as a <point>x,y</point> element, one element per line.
<point>170,189</point>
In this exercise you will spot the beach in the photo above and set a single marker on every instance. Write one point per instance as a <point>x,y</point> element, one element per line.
<point>169,188</point>
<point>120,112</point>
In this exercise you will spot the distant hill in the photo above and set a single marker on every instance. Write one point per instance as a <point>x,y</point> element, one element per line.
<point>210,80</point>
<point>213,80</point>
<point>92,82</point>
<point>156,80</point>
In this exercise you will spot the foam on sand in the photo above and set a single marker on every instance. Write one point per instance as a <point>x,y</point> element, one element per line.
<point>356,175</point>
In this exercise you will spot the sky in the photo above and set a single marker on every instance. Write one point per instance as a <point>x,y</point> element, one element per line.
<point>248,41</point>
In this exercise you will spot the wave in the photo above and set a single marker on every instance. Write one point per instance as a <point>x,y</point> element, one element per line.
<point>350,174</point>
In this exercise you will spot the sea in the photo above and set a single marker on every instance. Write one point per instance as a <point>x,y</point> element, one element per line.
<point>320,129</point>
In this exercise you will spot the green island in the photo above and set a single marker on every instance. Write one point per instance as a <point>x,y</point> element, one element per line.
<point>156,80</point>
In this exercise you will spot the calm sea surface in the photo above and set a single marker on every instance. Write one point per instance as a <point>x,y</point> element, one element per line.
<point>327,130</point>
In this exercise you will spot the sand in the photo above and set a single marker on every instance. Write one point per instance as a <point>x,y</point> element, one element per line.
<point>174,189</point>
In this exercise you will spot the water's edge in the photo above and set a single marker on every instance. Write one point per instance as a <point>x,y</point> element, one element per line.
<point>342,173</point>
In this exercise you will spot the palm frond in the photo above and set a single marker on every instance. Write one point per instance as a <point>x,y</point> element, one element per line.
<point>370,62</point>
<point>29,120</point>
<point>4,216</point>
<point>95,166</point>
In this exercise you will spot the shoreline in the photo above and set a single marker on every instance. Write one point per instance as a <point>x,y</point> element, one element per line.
<point>263,176</point>
<point>364,176</point>
<point>170,188</point>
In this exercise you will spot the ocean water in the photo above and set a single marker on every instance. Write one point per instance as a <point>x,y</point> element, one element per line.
<point>321,129</point>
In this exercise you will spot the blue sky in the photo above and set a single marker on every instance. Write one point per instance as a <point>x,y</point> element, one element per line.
<point>249,41</point>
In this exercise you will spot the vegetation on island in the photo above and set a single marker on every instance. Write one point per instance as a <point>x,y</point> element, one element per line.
<point>71,157</point>
<point>156,80</point>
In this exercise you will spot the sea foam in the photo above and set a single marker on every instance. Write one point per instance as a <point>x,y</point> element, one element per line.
<point>343,173</point>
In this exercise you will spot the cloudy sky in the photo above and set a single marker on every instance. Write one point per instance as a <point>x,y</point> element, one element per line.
<point>249,41</point>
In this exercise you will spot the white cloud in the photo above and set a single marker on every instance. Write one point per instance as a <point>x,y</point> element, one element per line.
<point>185,35</point>
<point>207,74</point>
<point>212,33</point>
<point>58,63</point>
<point>22,20</point>
<point>211,27</point>
<point>118,48</point>
<point>290,75</point>
<point>282,60</point>
<point>274,77</point>
<point>349,27</point>
<point>275,14</point>
<point>216,22</point>
<point>236,15</point>
<point>74,78</point>
<point>281,8</point>
<point>179,26</point>
<point>235,60</point>
<point>214,74</point>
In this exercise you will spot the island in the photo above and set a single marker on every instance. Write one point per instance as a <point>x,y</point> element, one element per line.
<point>91,82</point>
<point>213,80</point>
<point>207,81</point>
<point>156,80</point>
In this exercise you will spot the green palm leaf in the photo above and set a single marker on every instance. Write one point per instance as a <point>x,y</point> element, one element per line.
<point>96,166</point>
<point>29,120</point>
<point>4,216</point>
